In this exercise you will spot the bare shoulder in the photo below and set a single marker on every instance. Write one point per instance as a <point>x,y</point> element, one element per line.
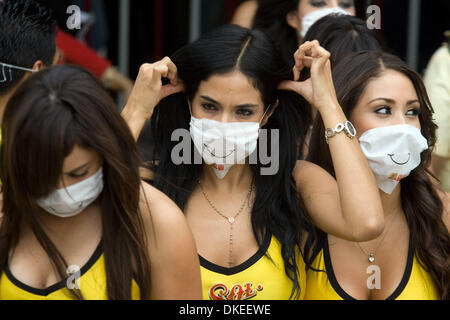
<point>306,173</point>
<point>166,227</point>
<point>244,13</point>
<point>445,198</point>
<point>175,268</point>
<point>158,208</point>
<point>302,166</point>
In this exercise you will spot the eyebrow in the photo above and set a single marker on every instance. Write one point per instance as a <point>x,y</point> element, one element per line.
<point>246,105</point>
<point>393,101</point>
<point>79,168</point>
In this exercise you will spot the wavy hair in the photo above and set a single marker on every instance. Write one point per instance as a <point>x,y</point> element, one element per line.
<point>422,205</point>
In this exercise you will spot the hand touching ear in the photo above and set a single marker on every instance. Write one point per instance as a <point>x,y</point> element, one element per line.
<point>148,90</point>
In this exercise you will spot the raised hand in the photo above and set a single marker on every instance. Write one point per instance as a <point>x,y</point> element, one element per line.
<point>148,91</point>
<point>318,90</point>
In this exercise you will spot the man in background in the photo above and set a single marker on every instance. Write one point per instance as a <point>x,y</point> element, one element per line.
<point>27,44</point>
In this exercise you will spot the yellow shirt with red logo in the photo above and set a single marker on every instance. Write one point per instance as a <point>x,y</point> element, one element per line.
<point>261,277</point>
<point>91,281</point>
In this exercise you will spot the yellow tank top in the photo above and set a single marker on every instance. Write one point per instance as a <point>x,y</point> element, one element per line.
<point>261,277</point>
<point>92,283</point>
<point>416,283</point>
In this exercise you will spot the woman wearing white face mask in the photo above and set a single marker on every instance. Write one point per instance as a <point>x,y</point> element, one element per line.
<point>241,214</point>
<point>287,21</point>
<point>388,104</point>
<point>78,222</point>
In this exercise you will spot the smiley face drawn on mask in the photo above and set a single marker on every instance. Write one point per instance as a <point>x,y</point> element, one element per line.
<point>219,157</point>
<point>79,207</point>
<point>399,163</point>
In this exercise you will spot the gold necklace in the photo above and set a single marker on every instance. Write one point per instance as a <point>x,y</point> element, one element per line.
<point>371,255</point>
<point>230,220</point>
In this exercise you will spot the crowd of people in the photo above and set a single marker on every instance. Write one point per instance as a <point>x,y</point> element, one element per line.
<point>348,205</point>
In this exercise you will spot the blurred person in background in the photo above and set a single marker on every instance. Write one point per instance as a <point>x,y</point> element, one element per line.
<point>286,22</point>
<point>437,81</point>
<point>27,44</point>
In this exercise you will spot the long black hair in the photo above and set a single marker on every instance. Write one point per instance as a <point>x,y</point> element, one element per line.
<point>344,34</point>
<point>422,205</point>
<point>276,209</point>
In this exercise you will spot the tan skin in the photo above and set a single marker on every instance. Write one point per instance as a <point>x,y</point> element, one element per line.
<point>349,262</point>
<point>333,206</point>
<point>174,273</point>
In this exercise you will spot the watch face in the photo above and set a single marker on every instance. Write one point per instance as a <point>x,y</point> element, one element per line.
<point>351,129</point>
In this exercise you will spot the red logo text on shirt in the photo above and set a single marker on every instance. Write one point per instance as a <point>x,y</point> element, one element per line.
<point>220,291</point>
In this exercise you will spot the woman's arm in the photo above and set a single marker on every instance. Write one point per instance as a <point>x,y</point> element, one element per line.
<point>175,268</point>
<point>148,91</point>
<point>350,206</point>
<point>244,14</point>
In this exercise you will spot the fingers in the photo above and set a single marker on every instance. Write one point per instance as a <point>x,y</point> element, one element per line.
<point>153,73</point>
<point>303,88</point>
<point>170,89</point>
<point>309,51</point>
<point>287,85</point>
<point>167,69</point>
<point>172,73</point>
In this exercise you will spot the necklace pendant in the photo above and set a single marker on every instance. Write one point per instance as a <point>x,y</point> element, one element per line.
<point>371,258</point>
<point>231,219</point>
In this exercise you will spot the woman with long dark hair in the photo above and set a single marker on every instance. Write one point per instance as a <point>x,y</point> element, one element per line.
<point>389,107</point>
<point>241,194</point>
<point>78,222</point>
<point>286,22</point>
<point>340,35</point>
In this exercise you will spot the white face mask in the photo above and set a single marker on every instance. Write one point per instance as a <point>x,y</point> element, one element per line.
<point>224,144</point>
<point>393,152</point>
<point>310,18</point>
<point>68,202</point>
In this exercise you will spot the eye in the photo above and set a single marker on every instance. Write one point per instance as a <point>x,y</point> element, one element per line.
<point>317,4</point>
<point>208,107</point>
<point>78,175</point>
<point>346,4</point>
<point>413,112</point>
<point>383,110</point>
<point>244,112</point>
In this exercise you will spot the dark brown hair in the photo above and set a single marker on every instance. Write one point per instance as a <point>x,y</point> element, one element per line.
<point>50,113</point>
<point>422,205</point>
<point>270,17</point>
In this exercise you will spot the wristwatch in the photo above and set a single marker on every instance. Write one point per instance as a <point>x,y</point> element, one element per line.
<point>347,127</point>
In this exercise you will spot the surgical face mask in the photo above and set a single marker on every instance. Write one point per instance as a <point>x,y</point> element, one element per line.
<point>68,202</point>
<point>5,74</point>
<point>310,18</point>
<point>224,144</point>
<point>393,152</point>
